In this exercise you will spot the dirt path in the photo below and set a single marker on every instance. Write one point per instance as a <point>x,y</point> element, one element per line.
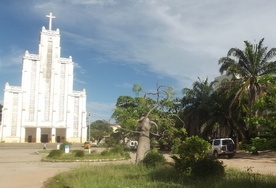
<point>264,163</point>
<point>21,167</point>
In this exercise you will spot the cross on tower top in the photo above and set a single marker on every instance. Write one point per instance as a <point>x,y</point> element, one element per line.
<point>50,16</point>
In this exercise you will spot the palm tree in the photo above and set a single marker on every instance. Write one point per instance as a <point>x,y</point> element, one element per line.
<point>247,66</point>
<point>196,106</point>
<point>224,121</point>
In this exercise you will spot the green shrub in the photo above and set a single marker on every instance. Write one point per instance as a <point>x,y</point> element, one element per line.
<point>62,146</point>
<point>153,159</point>
<point>190,151</point>
<point>208,167</point>
<point>113,140</point>
<point>271,144</point>
<point>105,152</point>
<point>258,144</point>
<point>79,153</point>
<point>245,146</point>
<point>118,149</point>
<point>176,145</point>
<point>55,154</point>
<point>182,166</point>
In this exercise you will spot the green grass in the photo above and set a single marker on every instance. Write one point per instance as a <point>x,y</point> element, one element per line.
<point>93,156</point>
<point>137,176</point>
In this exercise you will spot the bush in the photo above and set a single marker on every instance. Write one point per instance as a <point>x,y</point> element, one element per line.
<point>79,153</point>
<point>62,146</point>
<point>118,149</point>
<point>258,144</point>
<point>105,152</point>
<point>55,154</point>
<point>190,151</point>
<point>208,167</point>
<point>271,144</point>
<point>245,146</point>
<point>182,166</point>
<point>153,159</point>
<point>176,145</point>
<point>112,140</point>
<point>109,142</point>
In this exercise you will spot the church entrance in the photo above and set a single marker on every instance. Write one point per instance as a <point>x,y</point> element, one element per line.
<point>44,138</point>
<point>29,138</point>
<point>58,139</point>
<point>30,135</point>
<point>60,135</point>
<point>46,135</point>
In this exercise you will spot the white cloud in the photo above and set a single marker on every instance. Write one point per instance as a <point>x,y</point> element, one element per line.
<point>180,39</point>
<point>100,111</point>
<point>11,59</point>
<point>93,2</point>
<point>125,85</point>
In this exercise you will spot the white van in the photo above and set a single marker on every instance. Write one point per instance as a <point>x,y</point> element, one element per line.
<point>132,144</point>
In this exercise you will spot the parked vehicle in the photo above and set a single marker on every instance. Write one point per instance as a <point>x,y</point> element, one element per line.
<point>132,144</point>
<point>87,144</point>
<point>223,146</point>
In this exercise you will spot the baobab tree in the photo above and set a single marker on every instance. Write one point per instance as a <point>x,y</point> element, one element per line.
<point>146,115</point>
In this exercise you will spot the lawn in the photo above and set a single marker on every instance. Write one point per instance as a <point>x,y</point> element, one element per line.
<point>137,176</point>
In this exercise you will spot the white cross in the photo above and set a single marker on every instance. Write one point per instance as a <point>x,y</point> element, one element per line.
<point>50,16</point>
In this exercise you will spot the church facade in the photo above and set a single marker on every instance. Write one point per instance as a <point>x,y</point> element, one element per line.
<point>45,108</point>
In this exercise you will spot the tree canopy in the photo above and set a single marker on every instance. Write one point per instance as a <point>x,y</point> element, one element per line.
<point>228,108</point>
<point>100,129</point>
<point>247,65</point>
<point>153,115</point>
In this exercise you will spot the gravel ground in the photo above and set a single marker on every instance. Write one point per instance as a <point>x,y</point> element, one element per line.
<point>264,163</point>
<point>20,166</point>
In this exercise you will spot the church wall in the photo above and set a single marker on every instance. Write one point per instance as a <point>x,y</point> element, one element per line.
<point>70,117</point>
<point>70,76</point>
<point>84,117</point>
<point>77,117</point>
<point>30,82</point>
<point>11,114</point>
<point>45,107</point>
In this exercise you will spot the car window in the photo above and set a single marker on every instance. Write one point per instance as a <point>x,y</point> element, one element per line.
<point>225,142</point>
<point>216,142</point>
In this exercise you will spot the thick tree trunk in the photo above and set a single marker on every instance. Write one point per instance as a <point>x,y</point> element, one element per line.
<point>144,140</point>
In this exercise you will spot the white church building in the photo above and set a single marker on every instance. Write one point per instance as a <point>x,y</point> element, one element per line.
<point>45,108</point>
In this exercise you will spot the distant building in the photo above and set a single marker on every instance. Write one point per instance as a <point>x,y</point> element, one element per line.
<point>218,80</point>
<point>115,127</point>
<point>44,108</point>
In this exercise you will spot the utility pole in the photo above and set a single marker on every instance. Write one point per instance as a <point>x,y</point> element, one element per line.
<point>89,124</point>
<point>88,120</point>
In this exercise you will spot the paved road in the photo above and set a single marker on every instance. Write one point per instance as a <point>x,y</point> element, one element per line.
<point>21,167</point>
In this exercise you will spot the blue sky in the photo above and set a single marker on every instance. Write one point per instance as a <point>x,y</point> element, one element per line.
<point>118,43</point>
